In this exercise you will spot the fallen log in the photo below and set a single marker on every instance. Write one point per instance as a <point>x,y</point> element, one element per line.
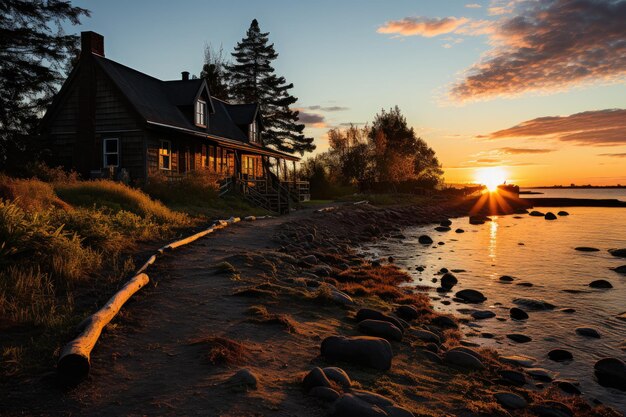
<point>145,266</point>
<point>74,361</point>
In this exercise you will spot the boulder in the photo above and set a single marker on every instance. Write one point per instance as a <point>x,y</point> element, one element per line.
<point>588,332</point>
<point>600,283</point>
<point>463,359</point>
<point>620,253</point>
<point>550,216</point>
<point>536,213</point>
<point>448,281</point>
<point>563,213</point>
<point>380,328</point>
<point>483,314</point>
<point>519,338</point>
<point>338,375</point>
<point>470,296</point>
<point>532,304</point>
<point>510,400</point>
<point>324,394</point>
<point>315,378</point>
<point>586,249</point>
<point>611,372</point>
<point>518,314</point>
<point>371,314</point>
<point>560,355</point>
<point>425,240</point>
<point>407,312</point>
<point>373,352</point>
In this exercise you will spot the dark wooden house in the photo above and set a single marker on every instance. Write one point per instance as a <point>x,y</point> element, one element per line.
<point>109,120</point>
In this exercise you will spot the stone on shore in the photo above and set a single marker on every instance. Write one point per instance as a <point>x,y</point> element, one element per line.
<point>533,304</point>
<point>560,355</point>
<point>324,394</point>
<point>463,359</point>
<point>551,409</point>
<point>620,253</point>
<point>349,405</point>
<point>446,223</point>
<point>445,322</point>
<point>550,216</point>
<point>483,314</point>
<point>459,231</point>
<point>425,240</point>
<point>510,400</point>
<point>371,314</point>
<point>515,377</point>
<point>620,269</point>
<point>372,352</point>
<point>521,360</point>
<point>380,328</point>
<point>442,229</point>
<point>338,375</point>
<point>567,387</point>
<point>601,283</point>
<point>586,249</point>
<point>563,213</point>
<point>588,332</point>
<point>448,281</point>
<point>470,296</point>
<point>506,278</point>
<point>426,336</point>
<point>519,338</point>
<point>315,378</point>
<point>518,314</point>
<point>536,213</point>
<point>611,372</point>
<point>407,312</point>
<point>244,378</point>
<point>540,374</point>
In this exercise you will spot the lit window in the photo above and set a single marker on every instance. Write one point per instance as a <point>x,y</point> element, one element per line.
<point>254,135</point>
<point>201,113</point>
<point>111,152</point>
<point>165,155</point>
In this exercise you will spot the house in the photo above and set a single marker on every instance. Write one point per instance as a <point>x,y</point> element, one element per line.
<point>109,120</point>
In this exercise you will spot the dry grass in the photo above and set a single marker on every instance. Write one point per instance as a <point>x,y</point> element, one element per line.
<point>262,316</point>
<point>222,351</point>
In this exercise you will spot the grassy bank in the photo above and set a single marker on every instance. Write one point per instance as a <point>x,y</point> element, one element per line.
<point>66,244</point>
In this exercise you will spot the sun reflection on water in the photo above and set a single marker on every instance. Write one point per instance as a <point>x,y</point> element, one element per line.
<point>493,237</point>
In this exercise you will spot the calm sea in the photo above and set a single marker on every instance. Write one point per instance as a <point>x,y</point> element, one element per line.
<point>594,193</point>
<point>541,253</point>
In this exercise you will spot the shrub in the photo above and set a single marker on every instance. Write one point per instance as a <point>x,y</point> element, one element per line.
<point>30,194</point>
<point>196,188</point>
<point>117,197</point>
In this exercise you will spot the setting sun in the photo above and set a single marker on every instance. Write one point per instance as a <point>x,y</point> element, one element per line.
<point>491,177</point>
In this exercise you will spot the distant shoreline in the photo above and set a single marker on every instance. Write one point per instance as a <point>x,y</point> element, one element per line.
<point>583,187</point>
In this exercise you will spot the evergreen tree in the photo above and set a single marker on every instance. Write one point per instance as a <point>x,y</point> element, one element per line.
<point>253,80</point>
<point>215,73</point>
<point>34,52</point>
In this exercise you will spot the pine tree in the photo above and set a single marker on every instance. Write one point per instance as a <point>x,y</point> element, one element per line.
<point>34,52</point>
<point>215,73</point>
<point>253,80</point>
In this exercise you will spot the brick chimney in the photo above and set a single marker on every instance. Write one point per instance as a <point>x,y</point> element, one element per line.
<point>92,42</point>
<point>185,75</point>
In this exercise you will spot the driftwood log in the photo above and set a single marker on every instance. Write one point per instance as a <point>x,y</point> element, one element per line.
<point>74,361</point>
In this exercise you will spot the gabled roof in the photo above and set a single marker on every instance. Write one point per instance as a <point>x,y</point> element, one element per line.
<point>160,102</point>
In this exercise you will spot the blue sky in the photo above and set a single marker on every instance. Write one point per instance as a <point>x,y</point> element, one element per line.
<point>333,54</point>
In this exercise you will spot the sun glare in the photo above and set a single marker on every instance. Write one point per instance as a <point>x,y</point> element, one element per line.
<point>491,177</point>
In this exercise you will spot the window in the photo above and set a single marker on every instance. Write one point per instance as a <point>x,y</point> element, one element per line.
<point>254,135</point>
<point>201,113</point>
<point>212,166</point>
<point>165,155</point>
<point>111,152</point>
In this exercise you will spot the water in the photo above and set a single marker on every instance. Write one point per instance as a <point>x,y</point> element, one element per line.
<point>546,259</point>
<point>594,193</point>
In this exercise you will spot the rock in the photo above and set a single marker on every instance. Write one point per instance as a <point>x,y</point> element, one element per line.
<point>477,220</point>
<point>611,372</point>
<point>396,411</point>
<point>620,269</point>
<point>468,350</point>
<point>373,352</point>
<point>562,213</point>
<point>588,332</point>
<point>552,409</point>
<point>560,355</point>
<point>432,347</point>
<point>532,304</point>
<point>426,336</point>
<point>444,322</point>
<point>510,400</point>
<point>518,314</point>
<point>315,378</point>
<point>338,375</point>
<point>443,270</point>
<point>442,229</point>
<point>372,398</point>
<point>425,240</point>
<point>521,360</point>
<point>340,297</point>
<point>370,314</point>
<point>380,328</point>
<point>407,312</point>
<point>586,249</point>
<point>446,223</point>
<point>568,310</point>
<point>448,281</point>
<point>600,283</point>
<point>567,387</point>
<point>536,213</point>
<point>483,314</point>
<point>519,338</point>
<point>507,278</point>
<point>620,253</point>
<point>550,216</point>
<point>244,378</point>
<point>459,231</point>
<point>309,260</point>
<point>324,394</point>
<point>349,405</point>
<point>470,296</point>
<point>540,374</point>
<point>525,284</point>
<point>463,359</point>
<point>515,377</point>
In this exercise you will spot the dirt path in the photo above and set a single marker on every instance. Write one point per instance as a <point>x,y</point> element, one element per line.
<point>147,364</point>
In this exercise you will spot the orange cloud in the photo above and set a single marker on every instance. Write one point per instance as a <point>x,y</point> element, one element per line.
<point>422,26</point>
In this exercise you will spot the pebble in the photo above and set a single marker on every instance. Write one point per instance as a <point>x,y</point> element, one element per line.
<point>550,216</point>
<point>533,304</point>
<point>587,249</point>
<point>536,213</point>
<point>567,387</point>
<point>560,355</point>
<point>370,314</point>
<point>459,231</point>
<point>470,296</point>
<point>506,278</point>
<point>519,338</point>
<point>315,378</point>
<point>588,332</point>
<point>600,283</point>
<point>518,314</point>
<point>515,377</point>
<point>521,360</point>
<point>563,213</point>
<point>425,240</point>
<point>442,229</point>
<point>540,374</point>
<point>510,400</point>
<point>448,280</point>
<point>483,314</point>
<point>407,312</point>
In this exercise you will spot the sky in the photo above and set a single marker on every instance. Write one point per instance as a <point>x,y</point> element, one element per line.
<point>536,89</point>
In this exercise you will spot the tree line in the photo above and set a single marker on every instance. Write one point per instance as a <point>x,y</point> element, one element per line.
<point>386,156</point>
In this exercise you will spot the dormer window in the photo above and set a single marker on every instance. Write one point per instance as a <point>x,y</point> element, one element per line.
<point>201,113</point>
<point>253,133</point>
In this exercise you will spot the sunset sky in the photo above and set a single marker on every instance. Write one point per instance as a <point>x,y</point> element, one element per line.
<point>535,87</point>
